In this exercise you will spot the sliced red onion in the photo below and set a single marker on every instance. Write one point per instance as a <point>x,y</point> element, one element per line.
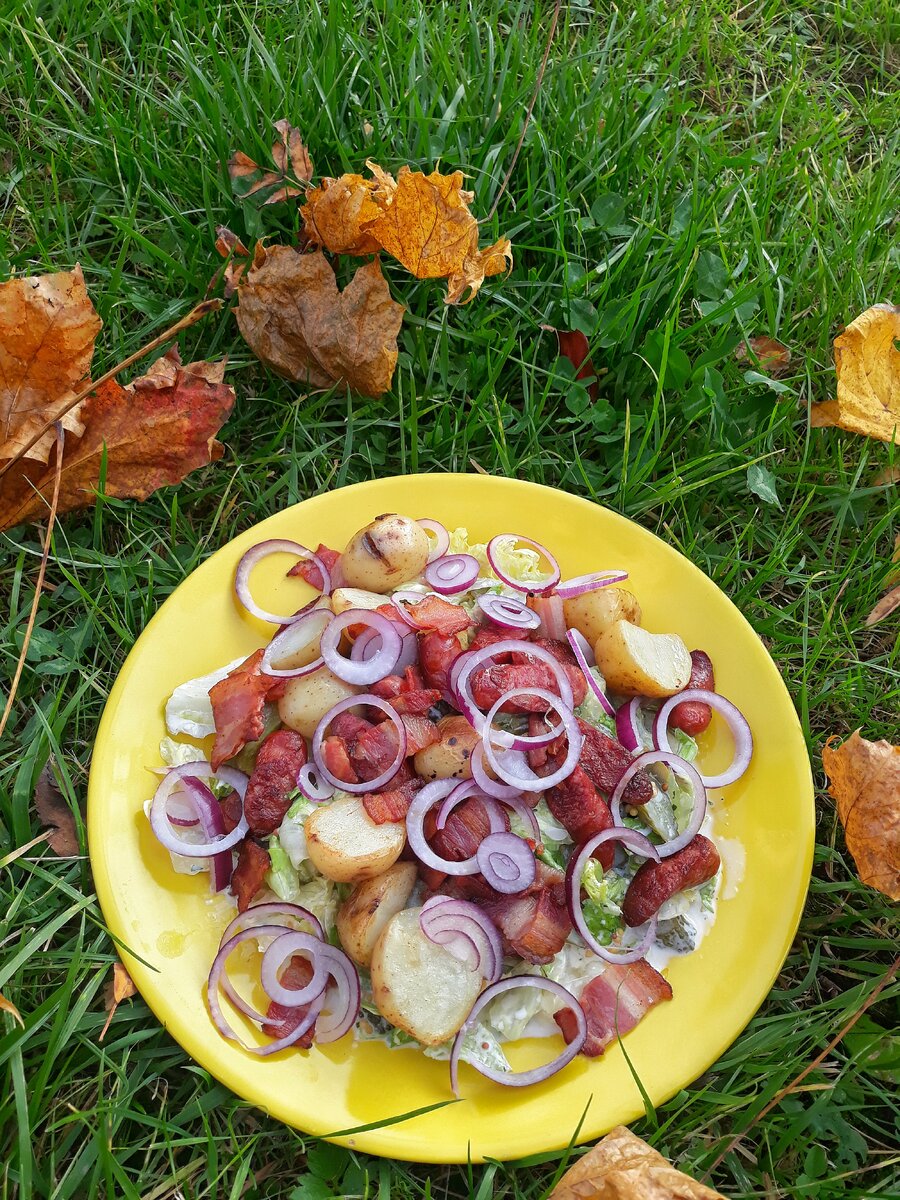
<point>159,821</point>
<point>506,740</point>
<point>508,612</point>
<point>466,931</point>
<point>370,785</point>
<point>635,842</point>
<point>463,791</point>
<point>506,862</point>
<point>581,649</point>
<point>570,588</point>
<point>441,540</point>
<point>512,766</point>
<point>477,658</point>
<point>216,979</point>
<point>737,723</point>
<point>293,639</point>
<point>277,954</point>
<point>451,574</point>
<point>312,785</point>
<point>380,664</point>
<point>421,805</point>
<point>255,555</point>
<point>184,815</point>
<point>491,787</point>
<point>536,1074</point>
<point>628,728</point>
<point>525,812</point>
<point>409,652</point>
<point>681,767</point>
<point>342,1000</point>
<point>496,543</point>
<point>550,614</point>
<point>209,815</point>
<point>266,912</point>
<point>406,596</point>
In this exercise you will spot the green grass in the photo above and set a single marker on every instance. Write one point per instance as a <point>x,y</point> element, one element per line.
<point>694,173</point>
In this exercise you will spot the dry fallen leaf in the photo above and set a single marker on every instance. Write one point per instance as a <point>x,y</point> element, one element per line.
<point>426,225</point>
<point>295,320</point>
<point>47,331</point>
<point>623,1167</point>
<point>121,988</point>
<point>868,377</point>
<point>53,811</point>
<point>8,1006</point>
<point>291,159</point>
<point>865,783</point>
<point>337,213</point>
<point>230,246</point>
<point>885,606</point>
<point>886,477</point>
<point>773,357</point>
<point>152,433</point>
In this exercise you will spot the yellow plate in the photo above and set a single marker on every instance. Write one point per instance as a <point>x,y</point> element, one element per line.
<point>171,921</point>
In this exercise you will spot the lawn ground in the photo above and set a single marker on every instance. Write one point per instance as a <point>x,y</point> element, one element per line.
<point>695,173</point>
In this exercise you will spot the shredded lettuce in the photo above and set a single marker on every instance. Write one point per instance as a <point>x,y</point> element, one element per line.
<point>281,877</point>
<point>522,565</point>
<point>603,907</point>
<point>481,1048</point>
<point>176,754</point>
<point>591,710</point>
<point>683,744</point>
<point>511,1012</point>
<point>708,894</point>
<point>188,709</point>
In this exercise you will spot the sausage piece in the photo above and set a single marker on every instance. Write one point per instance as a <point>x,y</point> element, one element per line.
<point>655,883</point>
<point>694,716</point>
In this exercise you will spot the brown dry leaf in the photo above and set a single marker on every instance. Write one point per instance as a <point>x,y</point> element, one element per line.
<point>290,153</point>
<point>886,477</point>
<point>295,320</point>
<point>574,346</point>
<point>774,358</point>
<point>337,213</point>
<point>885,606</point>
<point>623,1167</point>
<point>48,327</point>
<point>121,988</point>
<point>8,1006</point>
<point>53,811</point>
<point>865,783</point>
<point>230,246</point>
<point>868,377</point>
<point>154,432</point>
<point>426,225</point>
<point>291,160</point>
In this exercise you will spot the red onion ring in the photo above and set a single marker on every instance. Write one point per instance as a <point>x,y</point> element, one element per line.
<point>209,815</point>
<point>570,588</point>
<point>380,664</point>
<point>187,815</point>
<point>508,612</point>
<point>371,785</point>
<point>268,910</point>
<point>283,644</point>
<point>463,791</point>
<point>421,805</point>
<point>255,555</point>
<point>491,787</point>
<point>466,931</point>
<point>312,786</point>
<point>476,658</point>
<point>635,842</point>
<point>528,781</point>
<point>581,648</point>
<point>536,1074</point>
<point>525,812</point>
<point>506,862</point>
<point>737,723</point>
<point>628,731</point>
<point>494,545</point>
<point>342,1001</point>
<point>451,574</point>
<point>409,652</point>
<point>689,772</point>
<point>274,957</point>
<point>550,612</point>
<point>441,541</point>
<point>159,821</point>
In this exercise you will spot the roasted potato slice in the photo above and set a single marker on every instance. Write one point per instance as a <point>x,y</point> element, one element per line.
<point>594,612</point>
<point>451,757</point>
<point>346,845</point>
<point>362,917</point>
<point>635,662</point>
<point>307,698</point>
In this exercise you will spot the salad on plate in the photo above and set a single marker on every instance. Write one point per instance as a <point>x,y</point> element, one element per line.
<point>456,801</point>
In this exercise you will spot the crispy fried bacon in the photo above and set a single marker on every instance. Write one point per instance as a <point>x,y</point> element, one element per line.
<point>237,703</point>
<point>614,1003</point>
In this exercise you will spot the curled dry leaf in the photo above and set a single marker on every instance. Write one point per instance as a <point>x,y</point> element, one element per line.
<point>885,606</point>
<point>291,160</point>
<point>772,357</point>
<point>623,1167</point>
<point>53,812</point>
<point>48,327</point>
<point>230,246</point>
<point>337,214</point>
<point>868,377</point>
<point>295,320</point>
<point>9,1007</point>
<point>574,346</point>
<point>120,988</point>
<point>152,433</point>
<point>865,782</point>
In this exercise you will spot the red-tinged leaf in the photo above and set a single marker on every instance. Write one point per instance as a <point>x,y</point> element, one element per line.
<point>574,346</point>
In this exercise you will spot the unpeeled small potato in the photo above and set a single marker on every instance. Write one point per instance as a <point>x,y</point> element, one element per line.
<point>363,916</point>
<point>308,698</point>
<point>418,985</point>
<point>389,552</point>
<point>346,845</point>
<point>593,612</point>
<point>635,662</point>
<point>451,757</point>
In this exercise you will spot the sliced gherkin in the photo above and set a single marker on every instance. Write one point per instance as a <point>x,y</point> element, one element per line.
<point>660,815</point>
<point>677,934</point>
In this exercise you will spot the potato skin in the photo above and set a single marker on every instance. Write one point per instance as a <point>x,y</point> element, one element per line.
<point>362,917</point>
<point>635,662</point>
<point>451,757</point>
<point>594,612</point>
<point>419,986</point>
<point>308,698</point>
<point>346,845</point>
<point>390,551</point>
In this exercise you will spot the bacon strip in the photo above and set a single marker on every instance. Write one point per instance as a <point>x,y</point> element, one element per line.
<point>237,703</point>
<point>391,805</point>
<point>614,1003</point>
<point>273,781</point>
<point>438,616</point>
<point>534,927</point>
<point>250,872</point>
<point>282,1019</point>
<point>310,572</point>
